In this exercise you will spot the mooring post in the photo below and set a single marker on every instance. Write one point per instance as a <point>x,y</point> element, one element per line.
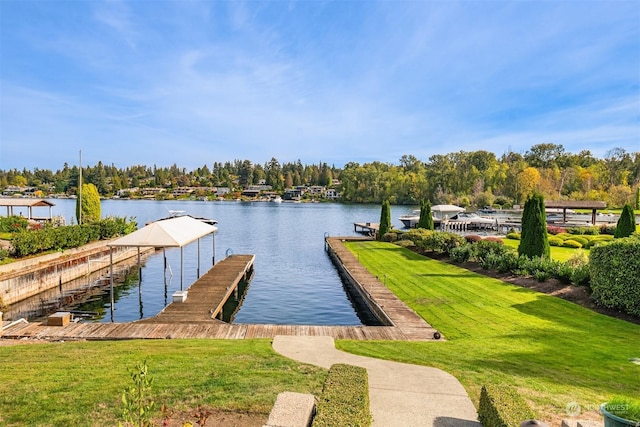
<point>111,277</point>
<point>198,270</point>
<point>139,266</point>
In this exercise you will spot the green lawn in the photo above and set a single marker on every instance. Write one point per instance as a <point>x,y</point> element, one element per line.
<point>554,352</point>
<point>81,384</point>
<point>558,253</point>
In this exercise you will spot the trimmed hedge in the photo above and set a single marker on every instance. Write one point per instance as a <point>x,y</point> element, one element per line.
<point>345,398</point>
<point>513,235</point>
<point>572,244</point>
<point>30,242</point>
<point>615,274</point>
<point>502,407</point>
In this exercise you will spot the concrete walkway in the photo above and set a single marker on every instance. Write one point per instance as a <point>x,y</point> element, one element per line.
<point>400,394</point>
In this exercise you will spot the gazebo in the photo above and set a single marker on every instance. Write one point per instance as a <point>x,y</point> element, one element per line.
<point>175,232</point>
<point>594,205</point>
<point>11,203</point>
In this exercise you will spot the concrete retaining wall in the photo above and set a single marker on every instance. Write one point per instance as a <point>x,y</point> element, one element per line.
<point>27,278</point>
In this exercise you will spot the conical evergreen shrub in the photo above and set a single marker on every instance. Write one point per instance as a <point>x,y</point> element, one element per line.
<point>626,223</point>
<point>385,219</point>
<point>426,219</point>
<point>534,241</point>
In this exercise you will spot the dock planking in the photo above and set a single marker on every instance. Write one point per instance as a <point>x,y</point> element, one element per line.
<point>195,317</point>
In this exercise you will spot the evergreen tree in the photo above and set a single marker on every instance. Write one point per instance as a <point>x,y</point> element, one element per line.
<point>534,241</point>
<point>90,204</point>
<point>426,218</point>
<point>385,219</point>
<point>626,223</point>
<point>638,197</point>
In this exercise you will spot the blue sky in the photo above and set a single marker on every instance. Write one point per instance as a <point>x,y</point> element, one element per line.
<point>191,82</point>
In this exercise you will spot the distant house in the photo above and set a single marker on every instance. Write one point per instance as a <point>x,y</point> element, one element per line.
<point>221,191</point>
<point>332,193</point>
<point>183,191</point>
<point>292,194</point>
<point>251,192</point>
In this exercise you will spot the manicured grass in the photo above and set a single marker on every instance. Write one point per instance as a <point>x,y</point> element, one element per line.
<point>553,351</point>
<point>558,253</point>
<point>81,384</point>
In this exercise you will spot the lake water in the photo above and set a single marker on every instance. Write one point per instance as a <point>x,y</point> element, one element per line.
<point>294,282</point>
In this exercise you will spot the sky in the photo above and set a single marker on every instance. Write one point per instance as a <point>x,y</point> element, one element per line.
<point>196,82</point>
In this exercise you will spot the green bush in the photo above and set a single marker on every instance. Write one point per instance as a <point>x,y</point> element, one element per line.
<point>581,275</point>
<point>615,274</point>
<point>534,241</point>
<point>461,253</point>
<point>390,237</point>
<point>607,229</point>
<point>405,243</point>
<point>563,272</point>
<point>555,241</point>
<point>571,244</point>
<point>502,407</point>
<point>30,242</point>
<point>584,230</point>
<point>513,235</point>
<point>626,225</point>
<point>345,398</point>
<point>583,241</point>
<point>13,224</point>
<point>3,253</point>
<point>564,236</point>
<point>541,275</point>
<point>440,242</point>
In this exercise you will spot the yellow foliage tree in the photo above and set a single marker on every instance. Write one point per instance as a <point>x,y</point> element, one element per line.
<point>527,181</point>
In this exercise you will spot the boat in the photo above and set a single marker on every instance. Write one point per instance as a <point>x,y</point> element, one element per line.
<point>473,220</point>
<point>410,220</point>
<point>276,199</point>
<point>487,210</point>
<point>444,212</point>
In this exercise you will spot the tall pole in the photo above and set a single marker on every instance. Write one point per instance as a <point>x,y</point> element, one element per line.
<point>80,192</point>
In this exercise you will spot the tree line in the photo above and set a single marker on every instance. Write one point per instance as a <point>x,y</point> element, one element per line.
<point>464,178</point>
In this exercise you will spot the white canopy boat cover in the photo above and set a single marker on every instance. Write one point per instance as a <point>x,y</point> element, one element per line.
<point>167,233</point>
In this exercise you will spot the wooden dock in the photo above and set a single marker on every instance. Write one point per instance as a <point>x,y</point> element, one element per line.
<point>195,318</point>
<point>368,228</point>
<point>207,296</point>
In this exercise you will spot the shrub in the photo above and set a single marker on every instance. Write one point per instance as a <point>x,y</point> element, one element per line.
<point>13,224</point>
<point>441,242</point>
<point>89,204</point>
<point>494,239</point>
<point>390,237</point>
<point>472,238</point>
<point>534,241</point>
<point>563,272</point>
<point>385,219</point>
<point>607,229</point>
<point>3,253</point>
<point>541,275</point>
<point>405,243</point>
<point>581,275</point>
<point>345,398</point>
<point>580,240</point>
<point>578,258</point>
<point>583,230</point>
<point>626,225</point>
<point>553,230</point>
<point>614,274</point>
<point>461,253</point>
<point>571,244</point>
<point>502,406</point>
<point>555,241</point>
<point>564,236</point>
<point>513,235</point>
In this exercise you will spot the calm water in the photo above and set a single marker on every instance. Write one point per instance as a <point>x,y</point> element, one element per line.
<point>294,282</point>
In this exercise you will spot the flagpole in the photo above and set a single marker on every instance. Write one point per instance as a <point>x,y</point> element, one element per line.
<point>80,193</point>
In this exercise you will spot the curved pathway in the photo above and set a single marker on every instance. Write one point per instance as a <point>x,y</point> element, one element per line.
<point>400,394</point>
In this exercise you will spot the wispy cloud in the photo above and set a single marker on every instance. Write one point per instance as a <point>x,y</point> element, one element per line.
<point>195,82</point>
